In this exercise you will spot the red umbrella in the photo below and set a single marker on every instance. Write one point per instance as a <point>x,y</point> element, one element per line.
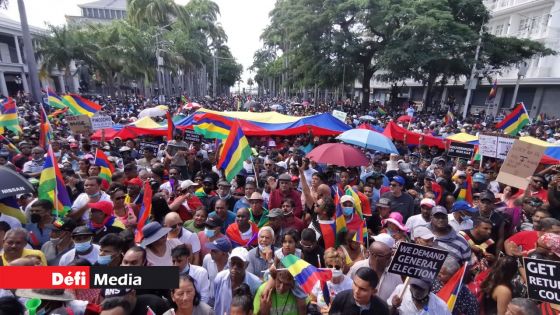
<point>365,126</point>
<point>404,118</point>
<point>338,154</point>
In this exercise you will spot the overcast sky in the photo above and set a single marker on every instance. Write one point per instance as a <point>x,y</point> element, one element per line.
<point>243,21</point>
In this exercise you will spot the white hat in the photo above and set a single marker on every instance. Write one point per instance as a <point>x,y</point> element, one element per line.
<point>282,164</point>
<point>241,253</point>
<point>385,239</point>
<point>188,183</point>
<point>428,202</point>
<point>423,233</point>
<point>345,198</point>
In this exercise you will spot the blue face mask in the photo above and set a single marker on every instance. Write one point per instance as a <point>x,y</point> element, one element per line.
<point>348,210</point>
<point>97,194</point>
<point>466,217</point>
<point>82,247</point>
<point>104,260</point>
<point>209,233</point>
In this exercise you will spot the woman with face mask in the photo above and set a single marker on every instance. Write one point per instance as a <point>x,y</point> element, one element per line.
<point>394,226</point>
<point>334,260</point>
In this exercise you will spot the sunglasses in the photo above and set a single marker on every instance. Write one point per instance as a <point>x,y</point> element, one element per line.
<point>337,267</point>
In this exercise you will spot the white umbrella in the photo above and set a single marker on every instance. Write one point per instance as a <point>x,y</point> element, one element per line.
<point>157,111</point>
<point>277,107</point>
<point>367,117</point>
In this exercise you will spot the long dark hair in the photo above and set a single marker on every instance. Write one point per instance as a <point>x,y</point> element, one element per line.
<point>506,268</point>
<point>186,277</point>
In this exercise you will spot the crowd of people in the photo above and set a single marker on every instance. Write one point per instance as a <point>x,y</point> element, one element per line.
<point>228,238</point>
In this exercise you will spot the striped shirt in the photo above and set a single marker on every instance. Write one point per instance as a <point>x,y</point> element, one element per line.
<point>456,245</point>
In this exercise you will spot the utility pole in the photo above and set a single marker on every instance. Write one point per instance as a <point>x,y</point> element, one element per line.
<point>521,72</point>
<point>473,74</point>
<point>29,55</point>
<point>214,75</point>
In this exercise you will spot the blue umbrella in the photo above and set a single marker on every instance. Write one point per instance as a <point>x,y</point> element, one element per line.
<point>368,139</point>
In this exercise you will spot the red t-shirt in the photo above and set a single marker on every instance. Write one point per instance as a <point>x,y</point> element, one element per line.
<point>526,239</point>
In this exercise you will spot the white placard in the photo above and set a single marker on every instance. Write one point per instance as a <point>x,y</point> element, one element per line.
<point>504,144</point>
<point>487,145</point>
<point>101,122</point>
<point>340,115</point>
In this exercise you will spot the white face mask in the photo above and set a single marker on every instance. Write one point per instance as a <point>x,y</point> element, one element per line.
<point>336,273</point>
<point>262,248</point>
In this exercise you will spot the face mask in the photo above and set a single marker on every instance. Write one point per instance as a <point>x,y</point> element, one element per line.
<point>35,218</point>
<point>288,214</point>
<point>55,240</point>
<point>225,197</point>
<point>336,273</point>
<point>421,300</point>
<point>466,217</point>
<point>262,248</point>
<point>82,247</point>
<point>348,210</point>
<point>209,233</point>
<point>97,194</point>
<point>186,269</point>
<point>104,260</point>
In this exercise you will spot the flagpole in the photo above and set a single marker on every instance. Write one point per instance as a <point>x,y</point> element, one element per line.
<point>526,112</point>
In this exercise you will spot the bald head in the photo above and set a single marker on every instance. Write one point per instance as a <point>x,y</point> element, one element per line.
<point>172,218</point>
<point>323,190</point>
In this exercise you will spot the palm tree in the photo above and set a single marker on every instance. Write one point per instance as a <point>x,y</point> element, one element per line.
<point>152,12</point>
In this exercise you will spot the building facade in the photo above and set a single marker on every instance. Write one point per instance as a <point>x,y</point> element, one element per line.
<point>101,11</point>
<point>539,87</point>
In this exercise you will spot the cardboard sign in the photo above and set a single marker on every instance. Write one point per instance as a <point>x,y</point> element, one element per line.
<point>543,279</point>
<point>520,164</point>
<point>416,261</point>
<point>503,147</point>
<point>339,115</point>
<point>79,124</point>
<point>154,147</point>
<point>487,145</point>
<point>101,122</point>
<point>192,136</point>
<point>461,150</point>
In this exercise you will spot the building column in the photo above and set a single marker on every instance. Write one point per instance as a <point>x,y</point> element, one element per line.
<point>24,82</point>
<point>18,52</point>
<point>3,86</point>
<point>498,100</point>
<point>443,100</point>
<point>536,106</point>
<point>61,83</point>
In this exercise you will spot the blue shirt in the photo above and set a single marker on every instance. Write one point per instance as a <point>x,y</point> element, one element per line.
<point>230,219</point>
<point>241,203</point>
<point>38,235</point>
<point>222,290</point>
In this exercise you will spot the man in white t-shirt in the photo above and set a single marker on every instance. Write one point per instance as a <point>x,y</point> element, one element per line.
<point>216,261</point>
<point>422,219</point>
<point>12,222</point>
<point>83,248</point>
<point>93,193</point>
<point>173,221</point>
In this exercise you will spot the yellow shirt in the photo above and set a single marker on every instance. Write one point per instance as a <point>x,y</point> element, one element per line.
<point>28,252</point>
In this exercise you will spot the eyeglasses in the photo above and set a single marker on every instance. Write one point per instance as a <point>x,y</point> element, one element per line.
<point>120,198</point>
<point>378,255</point>
<point>337,267</point>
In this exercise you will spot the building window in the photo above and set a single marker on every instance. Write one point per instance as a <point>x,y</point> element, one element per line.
<point>523,25</point>
<point>89,12</point>
<point>84,12</point>
<point>499,30</point>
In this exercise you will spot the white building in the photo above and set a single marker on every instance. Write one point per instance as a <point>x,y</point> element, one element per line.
<point>539,89</point>
<point>101,11</point>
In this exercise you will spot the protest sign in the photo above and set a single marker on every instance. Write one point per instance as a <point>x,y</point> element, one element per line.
<point>417,261</point>
<point>503,147</point>
<point>461,150</point>
<point>520,164</point>
<point>192,136</point>
<point>154,147</point>
<point>543,279</point>
<point>339,115</point>
<point>101,122</point>
<point>79,124</point>
<point>487,145</point>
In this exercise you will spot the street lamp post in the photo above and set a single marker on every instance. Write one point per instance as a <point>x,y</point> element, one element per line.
<point>521,72</point>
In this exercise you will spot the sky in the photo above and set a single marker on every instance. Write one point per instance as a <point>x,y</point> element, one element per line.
<point>243,21</point>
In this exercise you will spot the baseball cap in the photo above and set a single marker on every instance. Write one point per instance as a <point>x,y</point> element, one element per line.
<point>241,253</point>
<point>385,239</point>
<point>222,244</point>
<point>439,209</point>
<point>109,293</point>
<point>345,198</point>
<point>428,202</point>
<point>384,203</point>
<point>479,178</point>
<point>64,224</point>
<point>423,233</point>
<point>461,174</point>
<point>224,183</point>
<point>275,213</point>
<point>213,222</point>
<point>135,182</point>
<point>423,283</point>
<point>82,230</point>
<point>462,206</point>
<point>285,177</point>
<point>487,195</point>
<point>398,179</point>
<point>104,206</point>
<point>208,179</point>
<point>188,183</point>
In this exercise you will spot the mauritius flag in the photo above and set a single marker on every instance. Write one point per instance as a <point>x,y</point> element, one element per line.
<point>51,185</point>
<point>304,273</point>
<point>451,289</point>
<point>234,152</point>
<point>145,212</point>
<point>212,126</point>
<point>465,193</point>
<point>106,168</point>
<point>515,121</point>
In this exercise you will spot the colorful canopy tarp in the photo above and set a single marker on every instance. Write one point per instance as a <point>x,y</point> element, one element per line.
<point>146,123</point>
<point>276,124</point>
<point>396,132</point>
<point>462,137</point>
<point>145,126</point>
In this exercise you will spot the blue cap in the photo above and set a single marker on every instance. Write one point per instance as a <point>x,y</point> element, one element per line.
<point>462,206</point>
<point>398,179</point>
<point>479,178</point>
<point>222,244</point>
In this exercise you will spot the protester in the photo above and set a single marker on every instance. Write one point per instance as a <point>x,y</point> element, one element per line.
<point>417,299</point>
